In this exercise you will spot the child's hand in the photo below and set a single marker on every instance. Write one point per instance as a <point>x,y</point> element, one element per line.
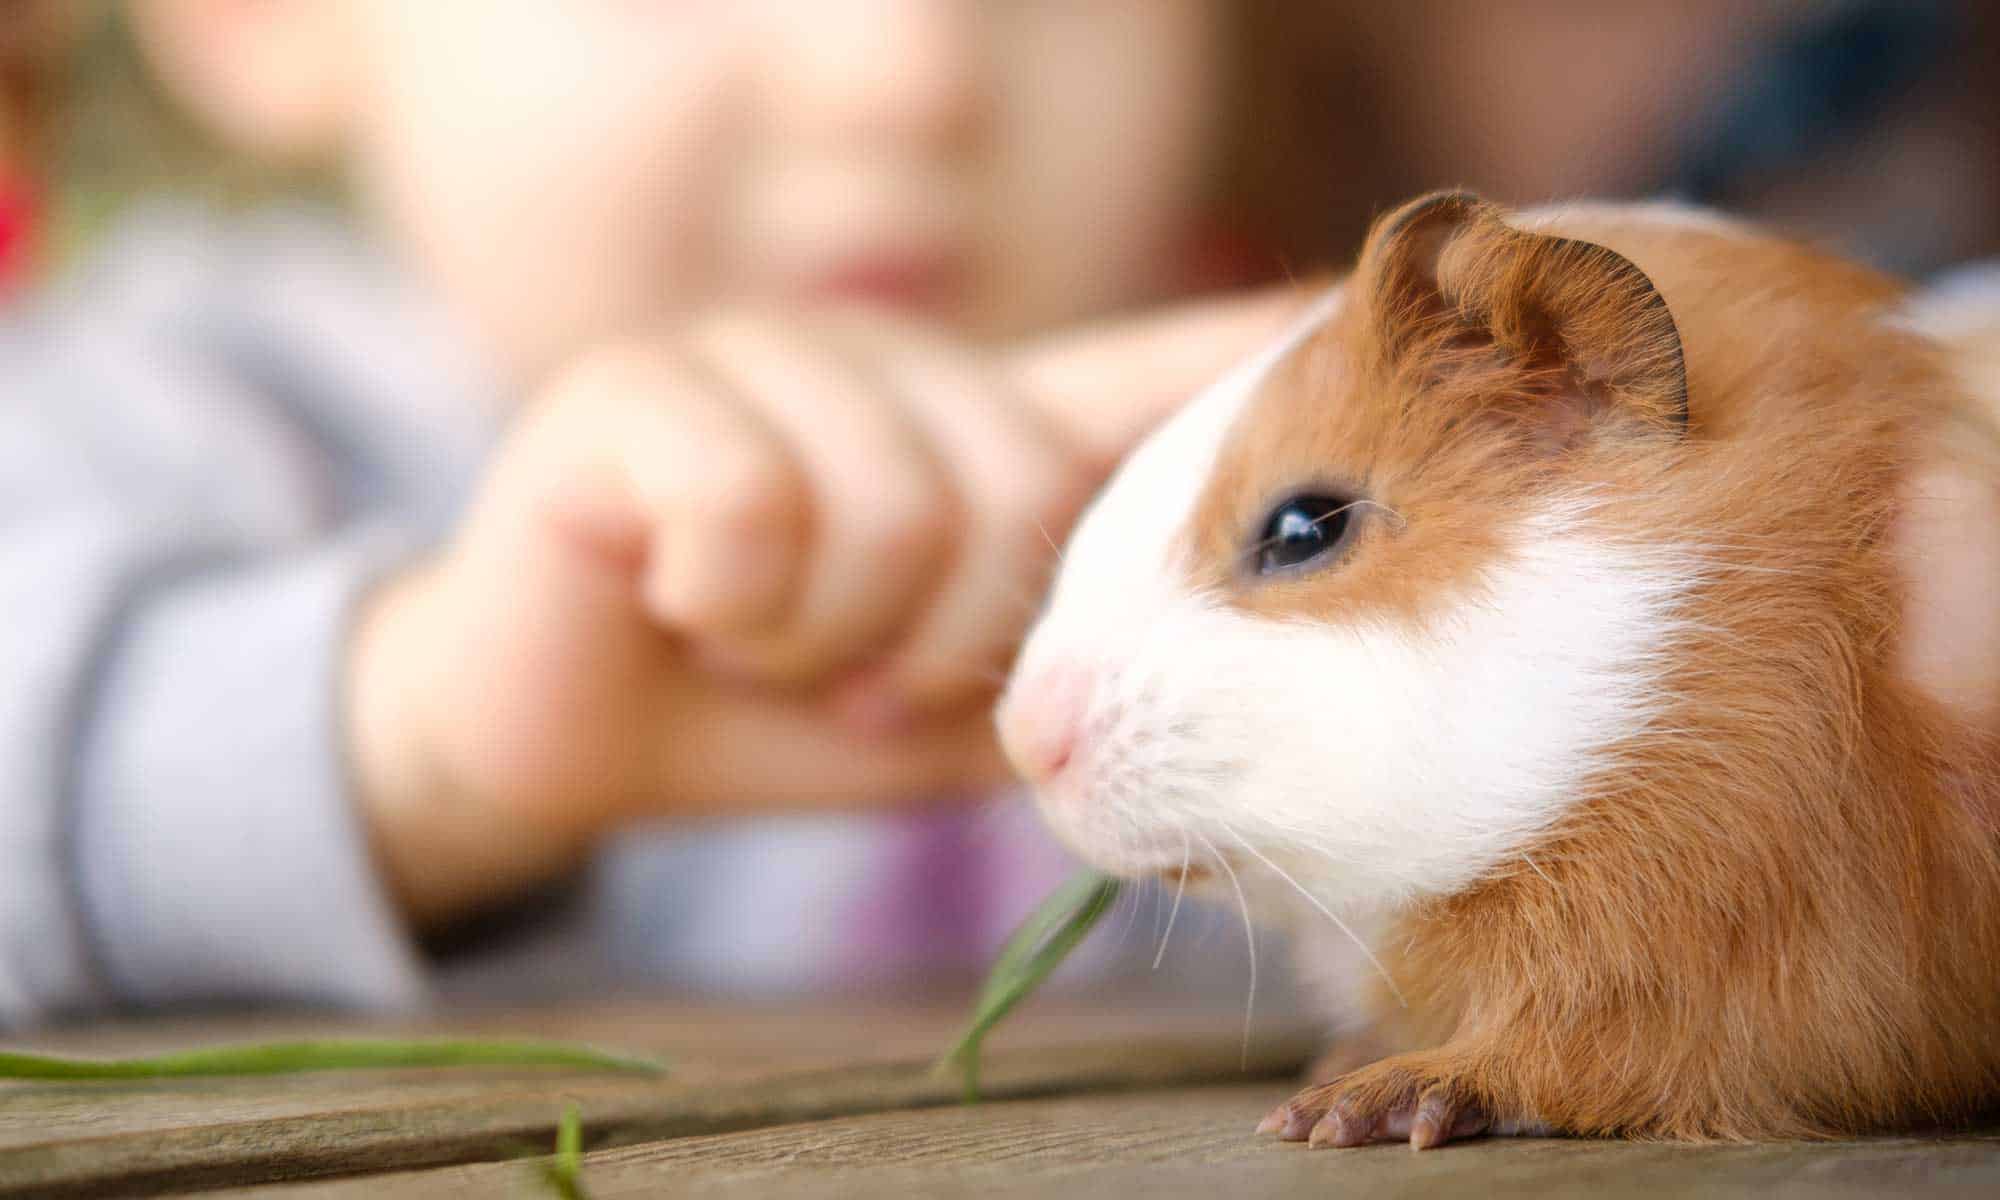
<point>748,569</point>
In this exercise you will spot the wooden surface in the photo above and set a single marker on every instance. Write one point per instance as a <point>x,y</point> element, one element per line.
<point>1192,1142</point>
<point>840,1102</point>
<point>727,1070</point>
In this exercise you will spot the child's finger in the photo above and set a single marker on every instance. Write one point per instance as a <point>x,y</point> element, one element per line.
<point>886,515</point>
<point>1022,488</point>
<point>725,508</point>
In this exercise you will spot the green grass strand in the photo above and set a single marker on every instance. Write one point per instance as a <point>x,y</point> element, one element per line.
<point>324,1054</point>
<point>564,1172</point>
<point>1035,949</point>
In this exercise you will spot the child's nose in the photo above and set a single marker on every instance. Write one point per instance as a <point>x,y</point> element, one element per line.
<point>904,68</point>
<point>1041,719</point>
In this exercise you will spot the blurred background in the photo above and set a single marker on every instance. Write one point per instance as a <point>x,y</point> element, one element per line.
<point>1871,126</point>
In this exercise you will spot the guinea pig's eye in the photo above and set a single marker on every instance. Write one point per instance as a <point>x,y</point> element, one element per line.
<point>1301,529</point>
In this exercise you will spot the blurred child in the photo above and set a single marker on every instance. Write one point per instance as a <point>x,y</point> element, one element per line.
<point>664,449</point>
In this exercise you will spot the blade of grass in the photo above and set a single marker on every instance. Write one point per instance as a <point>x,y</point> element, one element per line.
<point>564,1172</point>
<point>1043,940</point>
<point>569,1139</point>
<point>331,1054</point>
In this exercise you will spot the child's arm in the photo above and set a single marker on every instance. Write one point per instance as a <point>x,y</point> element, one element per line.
<point>174,825</point>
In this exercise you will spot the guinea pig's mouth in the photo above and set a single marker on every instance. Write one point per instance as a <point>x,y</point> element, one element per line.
<point>1191,873</point>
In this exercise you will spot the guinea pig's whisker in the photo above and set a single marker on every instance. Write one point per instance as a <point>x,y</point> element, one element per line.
<point>1313,900</point>
<point>1180,889</point>
<point>1328,516</point>
<point>1396,513</point>
<point>1051,541</point>
<point>1249,940</point>
<point>1153,888</point>
<point>1128,898</point>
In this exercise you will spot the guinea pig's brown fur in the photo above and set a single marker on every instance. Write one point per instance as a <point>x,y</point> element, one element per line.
<point>1776,913</point>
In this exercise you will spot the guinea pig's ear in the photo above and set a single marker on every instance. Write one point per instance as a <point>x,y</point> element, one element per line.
<point>1556,337</point>
<point>1401,261</point>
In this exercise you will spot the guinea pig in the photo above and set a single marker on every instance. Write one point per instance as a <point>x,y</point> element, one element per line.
<point>1582,633</point>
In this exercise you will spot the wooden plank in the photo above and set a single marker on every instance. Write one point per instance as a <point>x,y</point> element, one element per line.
<point>1194,1143</point>
<point>731,1069</point>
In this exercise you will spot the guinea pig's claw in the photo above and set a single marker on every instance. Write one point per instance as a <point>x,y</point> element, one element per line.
<point>1379,1103</point>
<point>1289,1122</point>
<point>1443,1115</point>
<point>1349,1124</point>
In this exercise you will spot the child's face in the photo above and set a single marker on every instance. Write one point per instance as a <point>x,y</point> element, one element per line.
<point>571,169</point>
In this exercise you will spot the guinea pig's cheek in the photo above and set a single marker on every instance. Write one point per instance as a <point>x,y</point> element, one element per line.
<point>1383,760</point>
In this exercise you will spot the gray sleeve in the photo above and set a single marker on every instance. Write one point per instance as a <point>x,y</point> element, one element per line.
<point>216,853</point>
<point>174,821</point>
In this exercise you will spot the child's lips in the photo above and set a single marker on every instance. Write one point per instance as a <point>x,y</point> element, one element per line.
<point>918,281</point>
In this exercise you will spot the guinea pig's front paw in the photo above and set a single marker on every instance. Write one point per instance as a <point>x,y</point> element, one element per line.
<point>1423,1097</point>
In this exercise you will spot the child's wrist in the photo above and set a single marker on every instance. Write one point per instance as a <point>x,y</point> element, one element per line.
<point>441,848</point>
<point>384,754</point>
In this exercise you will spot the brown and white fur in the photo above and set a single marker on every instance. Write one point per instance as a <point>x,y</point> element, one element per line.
<point>1630,766</point>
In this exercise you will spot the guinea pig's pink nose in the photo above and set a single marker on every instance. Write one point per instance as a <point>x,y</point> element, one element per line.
<point>1042,718</point>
